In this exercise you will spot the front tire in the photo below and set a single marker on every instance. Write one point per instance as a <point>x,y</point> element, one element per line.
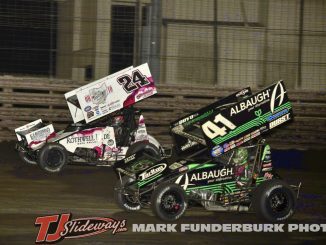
<point>169,201</point>
<point>123,200</point>
<point>52,157</point>
<point>274,200</point>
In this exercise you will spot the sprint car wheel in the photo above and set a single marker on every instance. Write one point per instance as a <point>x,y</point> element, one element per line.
<point>52,157</point>
<point>27,158</point>
<point>123,200</point>
<point>274,200</point>
<point>169,201</point>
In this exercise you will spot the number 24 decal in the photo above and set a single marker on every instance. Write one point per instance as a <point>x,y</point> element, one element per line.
<point>131,83</point>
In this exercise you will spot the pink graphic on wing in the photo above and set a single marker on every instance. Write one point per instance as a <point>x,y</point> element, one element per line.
<point>141,93</point>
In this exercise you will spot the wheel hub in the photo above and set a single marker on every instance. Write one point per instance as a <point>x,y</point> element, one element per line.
<point>54,158</point>
<point>278,202</point>
<point>170,203</point>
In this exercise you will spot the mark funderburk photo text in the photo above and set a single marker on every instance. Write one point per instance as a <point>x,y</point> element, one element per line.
<point>229,227</point>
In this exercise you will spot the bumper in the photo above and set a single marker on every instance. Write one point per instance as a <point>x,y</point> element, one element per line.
<point>20,146</point>
<point>296,189</point>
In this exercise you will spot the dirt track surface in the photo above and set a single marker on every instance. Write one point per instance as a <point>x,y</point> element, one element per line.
<point>26,193</point>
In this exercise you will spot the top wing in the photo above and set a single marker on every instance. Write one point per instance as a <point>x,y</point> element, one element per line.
<point>186,130</point>
<point>72,100</point>
<point>238,123</point>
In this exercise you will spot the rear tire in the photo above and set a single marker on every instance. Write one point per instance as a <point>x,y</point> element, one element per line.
<point>52,157</point>
<point>122,199</point>
<point>169,201</point>
<point>274,200</point>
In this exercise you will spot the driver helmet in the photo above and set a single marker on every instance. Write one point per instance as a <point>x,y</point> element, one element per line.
<point>240,156</point>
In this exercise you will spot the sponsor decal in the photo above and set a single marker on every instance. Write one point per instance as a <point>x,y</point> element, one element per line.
<point>110,89</point>
<point>199,118</point>
<point>263,128</point>
<point>279,121</point>
<point>266,169</point>
<point>90,114</point>
<point>251,102</point>
<point>114,105</point>
<point>97,110</point>
<point>88,98</point>
<point>182,121</point>
<point>107,136</point>
<point>212,174</point>
<point>130,158</point>
<point>146,92</point>
<point>218,150</point>
<point>182,169</point>
<point>99,95</point>
<point>114,153</point>
<point>82,139</point>
<point>40,134</point>
<point>267,165</point>
<point>104,109</point>
<point>186,182</point>
<point>175,165</point>
<point>258,113</point>
<point>268,175</point>
<point>277,94</point>
<point>277,115</point>
<point>242,92</point>
<point>234,143</point>
<point>87,108</point>
<point>33,143</point>
<point>66,227</point>
<point>188,145</point>
<point>152,171</point>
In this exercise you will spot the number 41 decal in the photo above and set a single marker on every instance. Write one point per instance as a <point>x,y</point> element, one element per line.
<point>212,130</point>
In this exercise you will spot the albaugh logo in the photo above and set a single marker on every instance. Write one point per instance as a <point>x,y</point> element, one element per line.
<point>185,180</point>
<point>278,87</point>
<point>54,228</point>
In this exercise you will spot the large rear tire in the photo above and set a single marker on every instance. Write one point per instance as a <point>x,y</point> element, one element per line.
<point>169,201</point>
<point>274,200</point>
<point>52,157</point>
